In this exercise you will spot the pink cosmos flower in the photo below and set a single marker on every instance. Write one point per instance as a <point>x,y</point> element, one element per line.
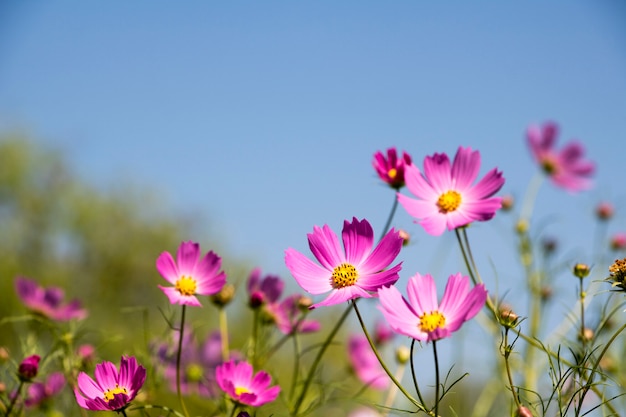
<point>40,392</point>
<point>421,317</point>
<point>566,168</point>
<point>190,274</point>
<point>350,273</point>
<point>264,290</point>
<point>289,317</point>
<point>237,381</point>
<point>47,301</point>
<point>391,169</point>
<point>112,390</point>
<point>365,364</point>
<point>446,195</point>
<point>618,241</point>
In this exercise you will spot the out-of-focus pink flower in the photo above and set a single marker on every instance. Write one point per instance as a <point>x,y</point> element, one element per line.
<point>447,197</point>
<point>365,363</point>
<point>566,168</point>
<point>347,274</point>
<point>264,290</point>
<point>197,363</point>
<point>190,275</point>
<point>289,316</point>
<point>364,412</point>
<point>112,390</point>
<point>87,354</point>
<point>40,392</point>
<point>28,368</point>
<point>47,301</point>
<point>239,383</point>
<point>382,333</point>
<point>421,317</point>
<point>391,169</point>
<point>618,241</point>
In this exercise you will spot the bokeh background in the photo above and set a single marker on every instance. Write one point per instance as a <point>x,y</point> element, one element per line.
<point>129,126</point>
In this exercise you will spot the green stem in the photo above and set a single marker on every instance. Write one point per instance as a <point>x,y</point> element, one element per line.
<point>417,389</point>
<point>507,365</point>
<point>436,378</point>
<point>232,413</point>
<point>296,365</point>
<point>181,331</point>
<point>158,407</point>
<point>224,333</point>
<point>123,411</point>
<point>317,361</point>
<point>418,404</point>
<point>253,340</point>
<point>14,399</point>
<point>391,214</point>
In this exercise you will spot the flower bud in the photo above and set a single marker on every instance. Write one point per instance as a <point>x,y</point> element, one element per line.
<point>256,300</point>
<point>4,354</point>
<point>28,369</point>
<point>618,241</point>
<point>523,412</point>
<point>403,354</point>
<point>546,293</point>
<point>406,237</point>
<point>604,211</point>
<point>586,335</point>
<point>521,226</point>
<point>224,296</point>
<point>507,203</point>
<point>581,270</point>
<point>508,317</point>
<point>305,303</point>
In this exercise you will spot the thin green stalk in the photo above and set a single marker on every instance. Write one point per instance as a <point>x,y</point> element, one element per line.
<point>391,214</point>
<point>254,339</point>
<point>393,390</point>
<point>14,399</point>
<point>123,411</point>
<point>296,365</point>
<point>417,388</point>
<point>158,407</point>
<point>382,363</point>
<point>181,331</point>
<point>224,334</point>
<point>436,378</point>
<point>317,361</point>
<point>232,413</point>
<point>507,365</point>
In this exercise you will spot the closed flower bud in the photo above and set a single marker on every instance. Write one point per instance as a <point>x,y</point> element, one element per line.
<point>4,354</point>
<point>406,237</point>
<point>224,296</point>
<point>586,335</point>
<point>507,202</point>
<point>28,369</point>
<point>523,412</point>
<point>604,211</point>
<point>256,300</point>
<point>508,317</point>
<point>581,270</point>
<point>618,241</point>
<point>403,354</point>
<point>305,303</point>
<point>521,226</point>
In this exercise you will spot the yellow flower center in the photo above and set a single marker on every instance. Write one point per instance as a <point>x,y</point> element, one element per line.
<point>549,166</point>
<point>429,322</point>
<point>186,285</point>
<point>241,390</point>
<point>110,393</point>
<point>449,201</point>
<point>392,173</point>
<point>344,275</point>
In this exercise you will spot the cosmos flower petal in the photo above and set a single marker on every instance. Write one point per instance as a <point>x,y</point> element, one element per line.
<point>488,186</point>
<point>231,375</point>
<point>106,375</point>
<point>383,254</point>
<point>325,247</point>
<point>465,167</point>
<point>383,278</point>
<point>88,386</point>
<point>417,208</point>
<point>167,267</point>
<point>176,297</point>
<point>422,293</point>
<point>400,316</point>
<point>418,185</point>
<point>358,238</point>
<point>437,169</point>
<point>341,295</point>
<point>434,225</point>
<point>310,276</point>
<point>187,258</point>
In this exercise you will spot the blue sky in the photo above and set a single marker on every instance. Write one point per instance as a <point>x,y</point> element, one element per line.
<point>262,117</point>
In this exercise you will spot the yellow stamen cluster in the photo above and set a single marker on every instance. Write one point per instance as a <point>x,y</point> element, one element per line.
<point>344,275</point>
<point>241,390</point>
<point>429,322</point>
<point>449,201</point>
<point>392,173</point>
<point>186,285</point>
<point>110,393</point>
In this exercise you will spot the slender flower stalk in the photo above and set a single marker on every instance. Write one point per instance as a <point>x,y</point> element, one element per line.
<point>224,333</point>
<point>14,399</point>
<point>179,353</point>
<point>437,384</point>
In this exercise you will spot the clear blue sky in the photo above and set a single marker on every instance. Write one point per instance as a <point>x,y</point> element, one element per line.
<point>262,117</point>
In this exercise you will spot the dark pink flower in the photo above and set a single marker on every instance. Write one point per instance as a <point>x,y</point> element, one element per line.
<point>40,392</point>
<point>391,169</point>
<point>265,289</point>
<point>618,241</point>
<point>349,273</point>
<point>112,390</point>
<point>190,275</point>
<point>28,368</point>
<point>239,383</point>
<point>566,168</point>
<point>289,316</point>
<point>365,364</point>
<point>47,301</point>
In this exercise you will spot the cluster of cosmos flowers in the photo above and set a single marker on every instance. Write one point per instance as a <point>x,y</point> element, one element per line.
<point>444,194</point>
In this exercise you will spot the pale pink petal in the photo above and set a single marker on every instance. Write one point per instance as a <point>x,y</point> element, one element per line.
<point>176,297</point>
<point>422,293</point>
<point>187,258</point>
<point>324,244</point>
<point>211,285</point>
<point>376,280</point>
<point>418,208</point>
<point>465,168</point>
<point>434,225</point>
<point>88,386</point>
<point>383,254</point>
<point>208,266</point>
<point>399,315</point>
<point>418,186</point>
<point>167,268</point>
<point>437,171</point>
<point>341,295</point>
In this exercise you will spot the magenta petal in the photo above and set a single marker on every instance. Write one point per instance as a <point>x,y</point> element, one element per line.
<point>187,258</point>
<point>358,238</point>
<point>211,285</point>
<point>310,276</point>
<point>437,171</point>
<point>88,386</point>
<point>434,225</point>
<point>383,254</point>
<point>167,268</point>
<point>324,244</point>
<point>399,315</point>
<point>465,167</point>
<point>380,279</point>
<point>343,294</point>
<point>422,293</point>
<point>176,297</point>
